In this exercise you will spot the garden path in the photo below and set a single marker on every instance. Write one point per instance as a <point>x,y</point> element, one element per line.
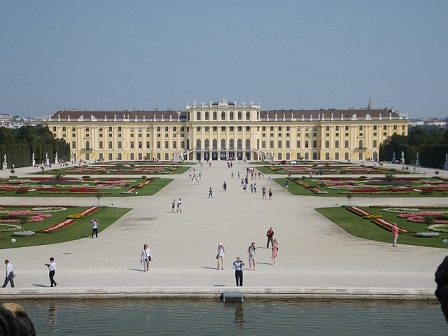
<point>313,252</point>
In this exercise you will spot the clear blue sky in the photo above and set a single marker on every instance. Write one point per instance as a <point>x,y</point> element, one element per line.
<point>284,54</point>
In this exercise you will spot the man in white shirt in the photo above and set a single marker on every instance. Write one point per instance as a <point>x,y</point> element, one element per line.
<point>94,223</point>
<point>9,274</point>
<point>52,270</point>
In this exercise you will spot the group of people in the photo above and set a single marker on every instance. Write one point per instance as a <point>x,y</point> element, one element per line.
<point>9,278</point>
<point>252,253</point>
<point>195,177</point>
<point>177,204</point>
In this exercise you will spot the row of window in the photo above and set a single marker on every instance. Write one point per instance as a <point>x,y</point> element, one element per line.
<point>239,144</point>
<point>223,116</point>
<point>166,156</point>
<point>223,128</point>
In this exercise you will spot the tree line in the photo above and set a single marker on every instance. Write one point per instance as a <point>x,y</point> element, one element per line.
<point>431,144</point>
<point>19,145</point>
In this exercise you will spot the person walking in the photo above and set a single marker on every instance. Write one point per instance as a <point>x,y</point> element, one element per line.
<point>52,271</point>
<point>394,235</point>
<point>252,255</point>
<point>210,193</point>
<point>270,235</point>
<point>274,252</point>
<point>286,185</point>
<point>145,257</point>
<point>238,263</point>
<point>220,256</point>
<point>173,205</point>
<point>263,192</point>
<point>94,223</point>
<point>179,205</point>
<point>9,274</point>
<point>224,186</point>
<point>270,193</point>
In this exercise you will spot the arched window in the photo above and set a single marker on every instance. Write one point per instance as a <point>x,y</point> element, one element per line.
<point>223,116</point>
<point>207,116</point>
<point>215,144</point>
<point>240,116</point>
<point>198,144</point>
<point>206,143</point>
<point>247,115</point>
<point>247,143</point>
<point>231,144</point>
<point>223,143</point>
<point>87,144</point>
<point>239,143</point>
<point>360,144</point>
<point>231,115</point>
<point>215,116</point>
<point>198,116</point>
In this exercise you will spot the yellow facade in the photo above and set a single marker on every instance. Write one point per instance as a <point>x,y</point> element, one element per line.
<point>223,130</point>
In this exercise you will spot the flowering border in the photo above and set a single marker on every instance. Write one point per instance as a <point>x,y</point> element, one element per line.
<point>67,222</point>
<point>384,223</point>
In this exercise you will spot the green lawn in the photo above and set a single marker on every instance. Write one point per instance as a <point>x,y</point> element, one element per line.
<point>80,229</point>
<point>118,169</point>
<point>149,189</point>
<point>296,189</point>
<point>365,228</point>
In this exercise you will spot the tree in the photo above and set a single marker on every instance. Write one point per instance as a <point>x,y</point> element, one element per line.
<point>98,197</point>
<point>24,220</point>
<point>389,177</point>
<point>349,198</point>
<point>429,220</point>
<point>58,176</point>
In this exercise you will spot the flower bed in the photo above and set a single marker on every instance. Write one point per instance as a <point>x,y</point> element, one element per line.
<point>358,211</point>
<point>438,227</point>
<point>140,185</point>
<point>307,186</point>
<point>427,234</point>
<point>67,222</point>
<point>384,223</point>
<point>49,209</point>
<point>411,206</point>
<point>401,210</point>
<point>23,234</point>
<point>9,227</point>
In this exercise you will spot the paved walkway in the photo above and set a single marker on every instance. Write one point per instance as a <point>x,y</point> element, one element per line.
<point>314,254</point>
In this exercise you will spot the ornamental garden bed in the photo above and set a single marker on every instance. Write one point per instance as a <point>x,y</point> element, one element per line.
<point>323,169</point>
<point>365,186</point>
<point>374,223</point>
<point>120,169</point>
<point>51,186</point>
<point>60,223</point>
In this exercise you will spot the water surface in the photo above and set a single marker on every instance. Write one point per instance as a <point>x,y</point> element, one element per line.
<point>173,317</point>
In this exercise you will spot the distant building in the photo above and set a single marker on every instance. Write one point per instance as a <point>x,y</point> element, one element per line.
<point>428,122</point>
<point>223,130</point>
<point>5,117</point>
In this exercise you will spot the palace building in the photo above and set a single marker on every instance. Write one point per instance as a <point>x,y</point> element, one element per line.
<point>227,130</point>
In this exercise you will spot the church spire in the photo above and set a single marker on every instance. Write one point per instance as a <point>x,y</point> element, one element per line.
<point>370,104</point>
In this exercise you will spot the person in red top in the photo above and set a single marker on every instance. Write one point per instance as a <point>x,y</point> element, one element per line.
<point>395,235</point>
<point>270,235</point>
